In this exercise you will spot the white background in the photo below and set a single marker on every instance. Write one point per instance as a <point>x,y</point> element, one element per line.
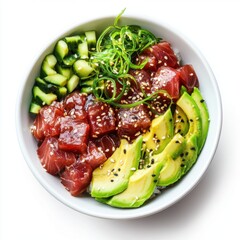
<point>210,211</point>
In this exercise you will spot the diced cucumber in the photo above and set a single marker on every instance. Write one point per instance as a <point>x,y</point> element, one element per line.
<point>48,65</point>
<point>65,71</point>
<point>72,42</point>
<point>72,83</point>
<point>56,79</point>
<point>61,92</point>
<point>45,98</point>
<point>51,60</point>
<point>83,50</point>
<point>87,90</point>
<point>44,86</point>
<point>82,68</point>
<point>34,108</point>
<point>70,59</point>
<point>61,50</point>
<point>91,38</point>
<point>87,83</point>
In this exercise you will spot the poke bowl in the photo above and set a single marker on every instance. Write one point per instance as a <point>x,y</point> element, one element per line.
<point>158,151</point>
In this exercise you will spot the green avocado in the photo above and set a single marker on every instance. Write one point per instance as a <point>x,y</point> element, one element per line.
<point>159,134</point>
<point>144,181</point>
<point>140,188</point>
<point>172,168</point>
<point>180,120</point>
<point>193,126</point>
<point>112,177</point>
<point>169,149</point>
<point>197,116</point>
<point>197,96</point>
<point>171,172</point>
<point>190,153</point>
<point>189,106</point>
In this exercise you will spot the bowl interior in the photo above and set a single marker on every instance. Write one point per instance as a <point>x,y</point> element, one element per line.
<point>190,54</point>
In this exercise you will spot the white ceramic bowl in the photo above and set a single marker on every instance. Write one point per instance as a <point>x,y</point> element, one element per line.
<point>190,54</point>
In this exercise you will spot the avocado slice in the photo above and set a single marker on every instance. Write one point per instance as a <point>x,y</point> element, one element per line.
<point>140,188</point>
<point>171,172</point>
<point>197,96</point>
<point>144,181</point>
<point>194,137</point>
<point>173,166</point>
<point>188,110</point>
<point>190,153</point>
<point>180,120</point>
<point>189,106</point>
<point>159,134</point>
<point>112,177</point>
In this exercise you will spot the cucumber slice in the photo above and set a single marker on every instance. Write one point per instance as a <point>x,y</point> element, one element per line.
<point>82,68</point>
<point>34,108</point>
<point>87,90</point>
<point>48,65</point>
<point>61,92</point>
<point>72,83</point>
<point>65,71</point>
<point>91,39</point>
<point>83,50</point>
<point>44,86</point>
<point>87,83</point>
<point>56,79</point>
<point>70,59</point>
<point>61,50</point>
<point>45,98</point>
<point>72,41</point>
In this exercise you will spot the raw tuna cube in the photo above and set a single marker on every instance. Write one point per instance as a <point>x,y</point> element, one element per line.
<point>101,117</point>
<point>133,121</point>
<point>74,135</point>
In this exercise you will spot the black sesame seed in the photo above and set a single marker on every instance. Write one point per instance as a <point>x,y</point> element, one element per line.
<point>115,174</point>
<point>124,151</point>
<point>148,166</point>
<point>182,154</point>
<point>152,161</point>
<point>186,153</point>
<point>153,175</point>
<point>177,141</point>
<point>119,169</point>
<point>182,165</point>
<point>155,181</point>
<point>190,120</point>
<point>193,148</point>
<point>202,100</point>
<point>112,180</point>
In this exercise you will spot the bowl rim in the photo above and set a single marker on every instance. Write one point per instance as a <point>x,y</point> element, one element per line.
<point>128,214</point>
